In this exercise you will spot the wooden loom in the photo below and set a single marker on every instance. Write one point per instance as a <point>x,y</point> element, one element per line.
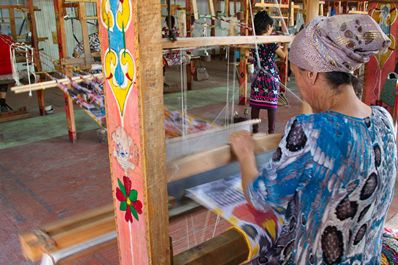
<point>30,10</point>
<point>140,120</point>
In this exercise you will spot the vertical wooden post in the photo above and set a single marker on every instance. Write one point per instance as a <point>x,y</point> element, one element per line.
<point>62,51</point>
<point>195,9</point>
<point>70,118</point>
<point>292,18</point>
<point>60,26</point>
<point>211,8</point>
<point>36,55</point>
<point>321,9</point>
<point>86,44</point>
<point>244,55</point>
<point>131,54</point>
<point>311,11</point>
<point>227,8</point>
<point>190,65</point>
<point>12,24</point>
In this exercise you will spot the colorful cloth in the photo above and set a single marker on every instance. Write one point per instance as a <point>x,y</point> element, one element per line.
<point>389,254</point>
<point>5,56</point>
<point>339,43</point>
<point>265,87</point>
<point>331,181</point>
<point>174,121</point>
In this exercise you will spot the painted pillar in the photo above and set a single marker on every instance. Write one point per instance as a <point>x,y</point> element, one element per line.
<point>379,66</point>
<point>130,34</point>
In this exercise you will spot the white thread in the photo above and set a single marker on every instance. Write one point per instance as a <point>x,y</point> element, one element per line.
<point>215,226</point>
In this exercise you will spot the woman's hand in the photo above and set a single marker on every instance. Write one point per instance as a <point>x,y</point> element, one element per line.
<point>242,145</point>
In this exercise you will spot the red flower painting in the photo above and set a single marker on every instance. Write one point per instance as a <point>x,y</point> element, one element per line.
<point>128,200</point>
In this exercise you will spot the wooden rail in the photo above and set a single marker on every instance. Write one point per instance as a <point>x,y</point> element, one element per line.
<point>80,228</point>
<point>222,41</point>
<point>215,158</point>
<point>52,83</point>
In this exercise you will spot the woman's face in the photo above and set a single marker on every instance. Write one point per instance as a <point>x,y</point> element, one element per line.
<point>300,79</point>
<point>270,29</point>
<point>306,83</point>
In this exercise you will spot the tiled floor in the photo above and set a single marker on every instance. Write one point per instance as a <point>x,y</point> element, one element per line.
<point>51,179</point>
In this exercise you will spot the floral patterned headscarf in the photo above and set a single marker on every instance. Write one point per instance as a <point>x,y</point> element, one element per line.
<point>339,43</point>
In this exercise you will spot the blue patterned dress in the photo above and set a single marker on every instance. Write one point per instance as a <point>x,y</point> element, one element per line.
<point>265,87</point>
<point>331,181</point>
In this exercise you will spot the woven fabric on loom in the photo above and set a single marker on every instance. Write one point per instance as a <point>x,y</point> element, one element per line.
<point>173,124</point>
<point>225,198</point>
<point>89,95</point>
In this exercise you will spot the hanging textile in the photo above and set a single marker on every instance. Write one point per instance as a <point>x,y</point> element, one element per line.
<point>5,61</point>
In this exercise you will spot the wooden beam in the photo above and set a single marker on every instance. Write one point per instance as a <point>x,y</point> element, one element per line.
<point>12,24</point>
<point>70,118</point>
<point>311,11</point>
<point>135,114</point>
<point>211,8</point>
<point>78,229</point>
<point>358,12</point>
<point>22,113</point>
<point>19,7</point>
<point>229,248</point>
<point>36,54</point>
<point>292,17</point>
<point>215,158</point>
<point>70,5</point>
<point>220,41</point>
<point>52,84</point>
<point>227,8</point>
<point>150,101</point>
<point>195,9</point>
<point>60,26</point>
<point>83,23</point>
<point>270,5</point>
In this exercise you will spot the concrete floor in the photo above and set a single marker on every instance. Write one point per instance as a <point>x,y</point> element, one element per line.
<point>47,178</point>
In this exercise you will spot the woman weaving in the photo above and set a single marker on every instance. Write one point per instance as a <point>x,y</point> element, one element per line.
<point>331,180</point>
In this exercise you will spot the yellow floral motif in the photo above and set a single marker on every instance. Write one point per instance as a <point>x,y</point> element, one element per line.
<point>385,15</point>
<point>128,67</point>
<point>107,15</point>
<point>123,16</point>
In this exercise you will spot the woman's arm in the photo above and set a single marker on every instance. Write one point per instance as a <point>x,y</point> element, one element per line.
<point>281,53</point>
<point>243,146</point>
<point>276,183</point>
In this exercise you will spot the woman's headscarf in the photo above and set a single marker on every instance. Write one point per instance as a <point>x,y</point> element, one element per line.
<point>339,43</point>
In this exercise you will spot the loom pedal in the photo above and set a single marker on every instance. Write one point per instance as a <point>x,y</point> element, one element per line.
<point>21,113</point>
